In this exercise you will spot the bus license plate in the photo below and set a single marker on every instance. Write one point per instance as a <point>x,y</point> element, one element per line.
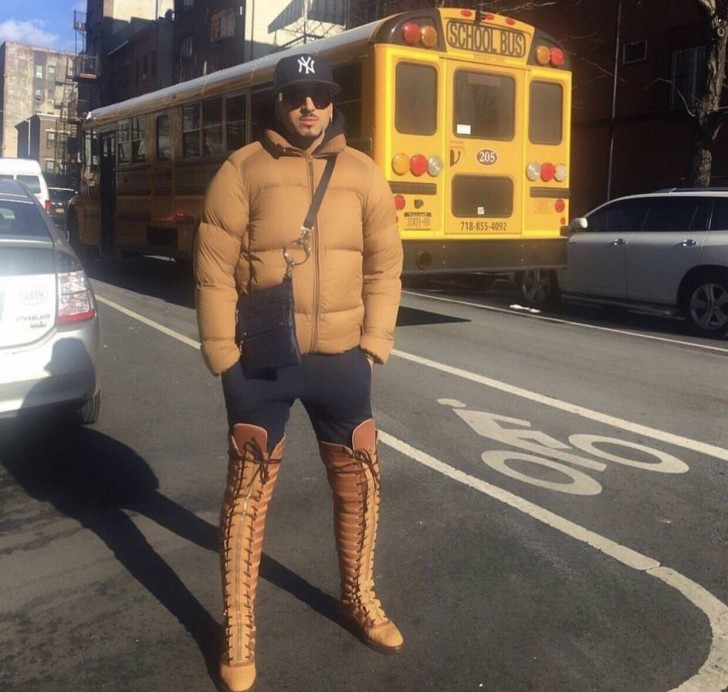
<point>417,221</point>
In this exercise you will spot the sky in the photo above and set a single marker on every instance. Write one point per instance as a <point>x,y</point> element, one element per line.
<point>43,23</point>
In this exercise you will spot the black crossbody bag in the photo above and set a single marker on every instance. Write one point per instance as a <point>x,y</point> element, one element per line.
<point>265,323</point>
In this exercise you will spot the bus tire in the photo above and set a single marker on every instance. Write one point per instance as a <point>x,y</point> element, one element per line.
<point>538,287</point>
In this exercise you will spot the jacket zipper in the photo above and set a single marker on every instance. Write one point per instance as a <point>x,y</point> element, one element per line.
<point>316,266</point>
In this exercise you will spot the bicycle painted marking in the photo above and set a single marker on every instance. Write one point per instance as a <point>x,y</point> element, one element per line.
<point>541,450</point>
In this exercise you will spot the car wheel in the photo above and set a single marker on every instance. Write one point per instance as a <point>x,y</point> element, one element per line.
<point>538,287</point>
<point>90,411</point>
<point>706,305</point>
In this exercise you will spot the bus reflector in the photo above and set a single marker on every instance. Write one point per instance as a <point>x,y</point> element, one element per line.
<point>435,166</point>
<point>400,164</point>
<point>559,205</point>
<point>399,202</point>
<point>411,33</point>
<point>533,171</point>
<point>418,165</point>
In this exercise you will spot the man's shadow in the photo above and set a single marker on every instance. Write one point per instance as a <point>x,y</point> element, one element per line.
<point>97,480</point>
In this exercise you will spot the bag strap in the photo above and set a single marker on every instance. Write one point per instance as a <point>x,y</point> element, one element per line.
<point>319,194</point>
<point>303,241</point>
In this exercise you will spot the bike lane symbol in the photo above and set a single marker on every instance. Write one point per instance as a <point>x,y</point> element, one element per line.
<point>536,448</point>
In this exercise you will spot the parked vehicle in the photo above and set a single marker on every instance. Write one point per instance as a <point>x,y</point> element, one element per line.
<point>59,199</point>
<point>665,251</point>
<point>49,329</point>
<point>28,172</point>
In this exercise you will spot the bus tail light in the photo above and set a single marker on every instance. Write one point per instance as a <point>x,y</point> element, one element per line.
<point>550,56</point>
<point>414,34</point>
<point>547,172</point>
<point>559,206</point>
<point>418,165</point>
<point>399,202</point>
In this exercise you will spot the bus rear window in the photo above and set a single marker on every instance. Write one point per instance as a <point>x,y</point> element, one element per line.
<point>416,99</point>
<point>485,105</point>
<point>546,118</point>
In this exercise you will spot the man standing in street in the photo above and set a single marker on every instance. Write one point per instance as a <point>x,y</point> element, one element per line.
<point>346,295</point>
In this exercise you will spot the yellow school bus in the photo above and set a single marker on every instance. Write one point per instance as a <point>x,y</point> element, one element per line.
<point>467,113</point>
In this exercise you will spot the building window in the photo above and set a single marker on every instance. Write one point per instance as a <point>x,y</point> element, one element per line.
<point>634,52</point>
<point>686,77</point>
<point>39,94</point>
<point>222,25</point>
<point>186,5</point>
<point>39,71</point>
<point>49,165</point>
<point>50,139</point>
<point>51,72</point>
<point>185,48</point>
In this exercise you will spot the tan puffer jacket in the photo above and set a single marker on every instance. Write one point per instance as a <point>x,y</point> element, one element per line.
<point>346,294</point>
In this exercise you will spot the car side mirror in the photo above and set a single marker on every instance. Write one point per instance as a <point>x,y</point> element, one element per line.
<point>578,224</point>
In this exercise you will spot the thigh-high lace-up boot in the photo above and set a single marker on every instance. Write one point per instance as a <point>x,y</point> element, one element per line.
<point>354,478</point>
<point>250,481</point>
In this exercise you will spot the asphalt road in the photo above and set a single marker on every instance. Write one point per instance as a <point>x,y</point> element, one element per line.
<point>553,513</point>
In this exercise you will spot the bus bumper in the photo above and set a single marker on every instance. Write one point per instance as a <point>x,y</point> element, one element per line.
<point>463,256</point>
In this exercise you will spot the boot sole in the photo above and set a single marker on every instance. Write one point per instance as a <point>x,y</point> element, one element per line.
<point>352,626</point>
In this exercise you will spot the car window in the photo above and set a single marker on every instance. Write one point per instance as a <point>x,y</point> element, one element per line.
<point>719,222</point>
<point>21,219</point>
<point>58,195</point>
<point>677,214</point>
<point>32,182</point>
<point>622,215</point>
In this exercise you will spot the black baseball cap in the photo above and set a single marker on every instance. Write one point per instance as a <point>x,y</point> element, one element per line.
<point>304,68</point>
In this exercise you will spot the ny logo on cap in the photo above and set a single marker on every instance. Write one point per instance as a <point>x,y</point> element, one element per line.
<point>306,63</point>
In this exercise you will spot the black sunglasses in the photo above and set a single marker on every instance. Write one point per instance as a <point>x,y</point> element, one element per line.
<point>296,98</point>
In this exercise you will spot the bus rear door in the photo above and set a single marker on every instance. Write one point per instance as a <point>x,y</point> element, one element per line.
<point>483,186</point>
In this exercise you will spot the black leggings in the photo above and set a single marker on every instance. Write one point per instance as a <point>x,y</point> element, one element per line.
<point>334,389</point>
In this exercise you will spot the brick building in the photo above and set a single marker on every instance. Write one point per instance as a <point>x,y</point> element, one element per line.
<point>35,93</point>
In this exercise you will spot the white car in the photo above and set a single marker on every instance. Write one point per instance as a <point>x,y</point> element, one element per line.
<point>49,327</point>
<point>665,252</point>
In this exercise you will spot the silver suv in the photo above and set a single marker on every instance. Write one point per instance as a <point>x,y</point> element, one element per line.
<point>666,252</point>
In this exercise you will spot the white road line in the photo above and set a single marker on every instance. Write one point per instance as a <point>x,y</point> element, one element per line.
<point>150,323</point>
<point>621,423</point>
<point>713,674</point>
<point>559,320</point>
